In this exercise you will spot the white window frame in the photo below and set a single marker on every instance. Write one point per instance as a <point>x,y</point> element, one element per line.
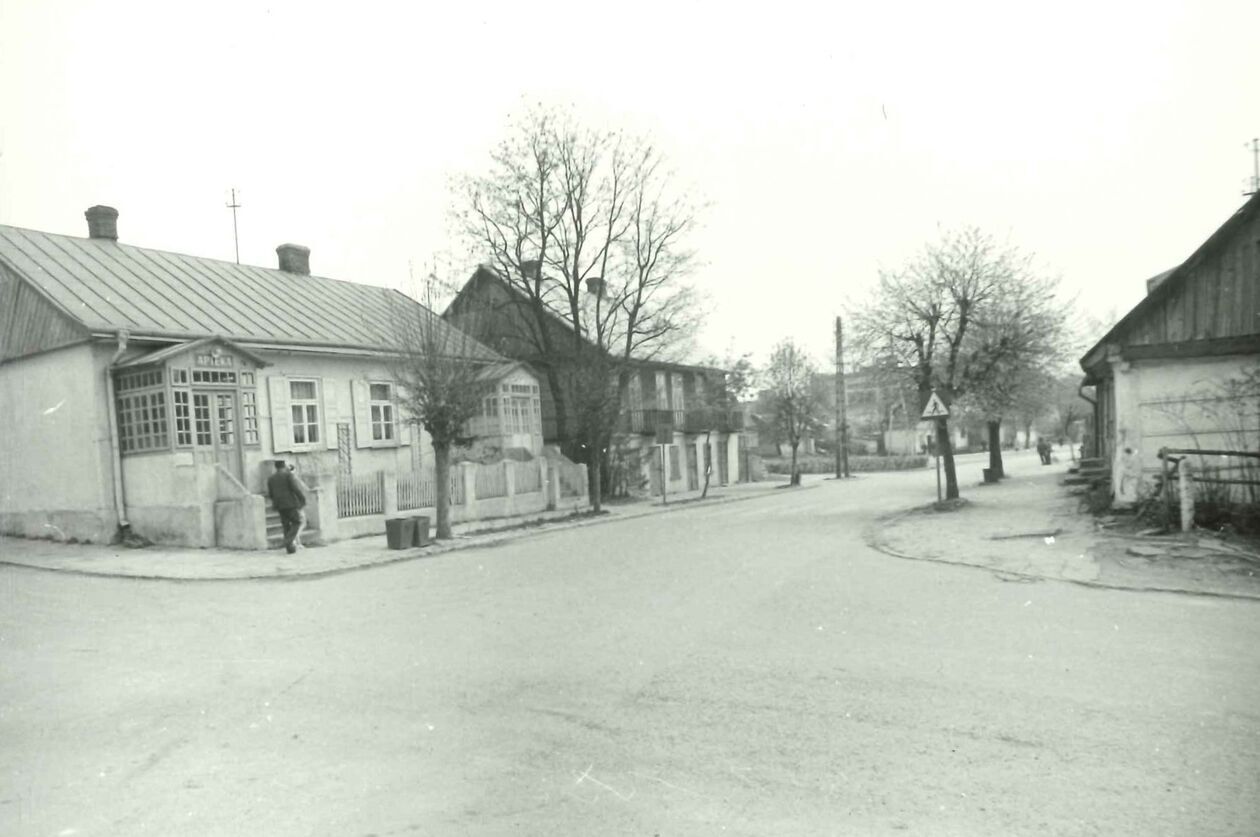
<point>309,419</point>
<point>382,414</point>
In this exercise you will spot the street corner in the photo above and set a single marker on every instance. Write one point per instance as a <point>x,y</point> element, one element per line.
<point>1182,562</point>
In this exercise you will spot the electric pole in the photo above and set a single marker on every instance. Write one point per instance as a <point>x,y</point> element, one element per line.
<point>236,241</point>
<point>1255,167</point>
<point>842,418</point>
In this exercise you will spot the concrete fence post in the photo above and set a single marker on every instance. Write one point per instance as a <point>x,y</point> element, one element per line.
<point>550,484</point>
<point>1187,494</point>
<point>509,477</point>
<point>389,491</point>
<point>323,503</point>
<point>468,473</point>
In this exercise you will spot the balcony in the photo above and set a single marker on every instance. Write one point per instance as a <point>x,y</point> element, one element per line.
<point>689,421</point>
<point>720,421</point>
<point>644,421</point>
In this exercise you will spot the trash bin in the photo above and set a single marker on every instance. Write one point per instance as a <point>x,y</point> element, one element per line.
<point>399,532</point>
<point>421,530</point>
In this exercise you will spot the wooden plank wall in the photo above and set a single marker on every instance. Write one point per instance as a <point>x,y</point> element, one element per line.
<point>29,323</point>
<point>1218,297</point>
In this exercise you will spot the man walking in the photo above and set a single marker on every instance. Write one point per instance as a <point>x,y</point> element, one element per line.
<point>286,495</point>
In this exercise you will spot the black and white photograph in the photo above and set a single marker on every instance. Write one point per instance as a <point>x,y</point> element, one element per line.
<point>651,419</point>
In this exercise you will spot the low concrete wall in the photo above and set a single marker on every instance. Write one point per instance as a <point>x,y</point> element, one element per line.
<point>62,525</point>
<point>241,522</point>
<point>510,505</point>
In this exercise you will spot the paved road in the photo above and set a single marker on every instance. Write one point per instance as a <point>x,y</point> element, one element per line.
<point>747,669</point>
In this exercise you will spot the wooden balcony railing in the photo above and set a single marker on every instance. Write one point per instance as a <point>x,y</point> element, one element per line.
<point>689,421</point>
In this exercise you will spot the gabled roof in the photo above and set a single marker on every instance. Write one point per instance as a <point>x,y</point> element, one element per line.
<point>1163,284</point>
<point>105,286</point>
<point>488,273</point>
<point>162,355</point>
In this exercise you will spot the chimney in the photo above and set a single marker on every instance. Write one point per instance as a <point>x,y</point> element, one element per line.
<point>294,258</point>
<point>595,285</point>
<point>102,222</point>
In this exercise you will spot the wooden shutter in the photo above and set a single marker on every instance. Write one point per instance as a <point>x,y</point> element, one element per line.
<point>362,414</point>
<point>281,421</point>
<point>331,411</point>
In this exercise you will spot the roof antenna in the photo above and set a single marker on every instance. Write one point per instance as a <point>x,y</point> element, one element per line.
<point>236,242</point>
<point>1255,164</point>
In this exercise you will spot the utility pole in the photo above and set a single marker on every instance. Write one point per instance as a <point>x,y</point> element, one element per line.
<point>842,418</point>
<point>236,241</point>
<point>1255,167</point>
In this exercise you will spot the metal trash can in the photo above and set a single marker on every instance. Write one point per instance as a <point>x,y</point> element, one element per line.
<point>421,530</point>
<point>399,532</point>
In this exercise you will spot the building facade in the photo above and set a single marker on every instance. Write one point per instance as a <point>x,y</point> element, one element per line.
<point>667,434</point>
<point>1174,372</point>
<point>152,393</point>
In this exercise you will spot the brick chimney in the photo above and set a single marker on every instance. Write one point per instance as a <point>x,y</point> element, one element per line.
<point>294,258</point>
<point>595,285</point>
<point>102,222</point>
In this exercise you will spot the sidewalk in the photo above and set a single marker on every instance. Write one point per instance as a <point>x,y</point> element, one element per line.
<point>1028,528</point>
<point>186,564</point>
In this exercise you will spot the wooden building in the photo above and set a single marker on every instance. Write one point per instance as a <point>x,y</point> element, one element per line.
<point>1174,371</point>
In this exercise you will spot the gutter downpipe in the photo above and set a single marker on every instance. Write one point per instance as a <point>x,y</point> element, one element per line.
<point>120,501</point>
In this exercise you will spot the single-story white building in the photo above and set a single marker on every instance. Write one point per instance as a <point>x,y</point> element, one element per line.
<point>151,392</point>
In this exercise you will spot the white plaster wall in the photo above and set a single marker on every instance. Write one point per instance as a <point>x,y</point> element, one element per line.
<point>319,467</point>
<point>54,446</point>
<point>1157,406</point>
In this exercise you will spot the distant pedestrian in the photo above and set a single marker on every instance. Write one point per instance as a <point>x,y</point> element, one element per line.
<point>1043,450</point>
<point>287,496</point>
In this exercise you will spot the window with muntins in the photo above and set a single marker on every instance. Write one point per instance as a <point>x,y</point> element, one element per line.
<point>142,421</point>
<point>381,406</point>
<point>304,407</point>
<point>183,418</point>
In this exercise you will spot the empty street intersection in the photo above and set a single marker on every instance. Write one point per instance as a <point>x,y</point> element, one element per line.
<point>752,668</point>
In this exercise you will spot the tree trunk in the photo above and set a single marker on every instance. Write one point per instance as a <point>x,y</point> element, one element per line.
<point>796,477</point>
<point>595,477</point>
<point>442,473</point>
<point>995,449</point>
<point>559,408</point>
<point>1028,435</point>
<point>946,449</point>
<point>707,463</point>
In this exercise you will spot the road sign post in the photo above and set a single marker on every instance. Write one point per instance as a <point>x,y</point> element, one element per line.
<point>936,410</point>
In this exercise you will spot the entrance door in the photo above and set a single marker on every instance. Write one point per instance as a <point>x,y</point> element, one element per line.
<point>215,421</point>
<point>693,468</point>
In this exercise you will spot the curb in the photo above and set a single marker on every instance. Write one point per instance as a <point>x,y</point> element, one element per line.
<point>873,541</point>
<point>469,541</point>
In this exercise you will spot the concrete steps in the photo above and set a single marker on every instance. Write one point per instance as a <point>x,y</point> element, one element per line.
<point>275,531</point>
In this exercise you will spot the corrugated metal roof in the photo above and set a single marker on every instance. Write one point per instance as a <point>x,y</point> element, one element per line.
<point>107,285</point>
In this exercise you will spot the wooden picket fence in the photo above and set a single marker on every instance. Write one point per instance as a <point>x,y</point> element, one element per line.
<point>491,480</point>
<point>526,477</point>
<point>361,495</point>
<point>418,490</point>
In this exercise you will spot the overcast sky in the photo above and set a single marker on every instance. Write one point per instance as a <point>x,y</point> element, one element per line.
<point>829,139</point>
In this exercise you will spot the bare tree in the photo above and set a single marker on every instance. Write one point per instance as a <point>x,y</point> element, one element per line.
<point>791,374</point>
<point>441,372</point>
<point>1026,336</point>
<point>589,232</point>
<point>946,319</point>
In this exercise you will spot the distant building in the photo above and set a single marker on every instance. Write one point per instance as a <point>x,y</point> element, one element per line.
<point>1163,373</point>
<point>661,397</point>
<point>154,390</point>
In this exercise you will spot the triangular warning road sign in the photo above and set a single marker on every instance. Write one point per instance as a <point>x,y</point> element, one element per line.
<point>935,407</point>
